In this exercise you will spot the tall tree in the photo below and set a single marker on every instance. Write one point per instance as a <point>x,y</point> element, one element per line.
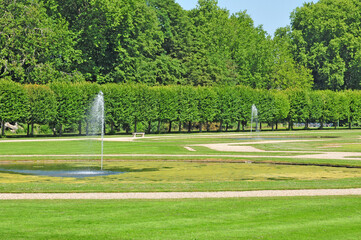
<point>120,39</point>
<point>211,61</point>
<point>35,48</point>
<point>327,36</point>
<point>286,72</point>
<point>251,50</point>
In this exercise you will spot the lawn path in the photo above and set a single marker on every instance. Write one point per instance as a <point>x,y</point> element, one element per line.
<point>183,195</point>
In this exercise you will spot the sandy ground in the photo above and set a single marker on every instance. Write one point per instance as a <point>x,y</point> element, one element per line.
<point>183,195</point>
<point>242,147</point>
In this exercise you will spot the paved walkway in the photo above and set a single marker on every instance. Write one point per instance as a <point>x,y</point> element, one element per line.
<point>183,195</point>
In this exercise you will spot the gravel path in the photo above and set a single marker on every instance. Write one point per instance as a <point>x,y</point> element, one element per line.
<point>183,195</point>
<point>315,155</point>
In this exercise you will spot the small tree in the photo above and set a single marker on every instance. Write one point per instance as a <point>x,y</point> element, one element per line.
<point>13,103</point>
<point>42,104</point>
<point>245,97</point>
<point>70,103</point>
<point>354,103</point>
<point>188,105</point>
<point>207,106</point>
<point>299,106</point>
<point>167,105</point>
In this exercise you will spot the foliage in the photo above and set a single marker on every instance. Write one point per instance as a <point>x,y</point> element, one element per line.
<point>13,103</point>
<point>151,42</point>
<point>299,106</point>
<point>327,36</point>
<point>35,48</point>
<point>286,72</point>
<point>43,105</point>
<point>136,107</point>
<point>70,107</point>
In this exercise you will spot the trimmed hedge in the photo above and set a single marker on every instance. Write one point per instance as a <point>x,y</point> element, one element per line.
<point>65,106</point>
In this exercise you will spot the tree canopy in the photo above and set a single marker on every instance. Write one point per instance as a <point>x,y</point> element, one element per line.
<point>157,42</point>
<point>327,38</point>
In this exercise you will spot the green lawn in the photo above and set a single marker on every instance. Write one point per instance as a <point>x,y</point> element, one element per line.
<point>253,218</point>
<point>187,173</point>
<point>175,143</point>
<point>146,176</point>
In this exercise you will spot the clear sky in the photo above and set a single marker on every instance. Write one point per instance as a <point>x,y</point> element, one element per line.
<point>272,14</point>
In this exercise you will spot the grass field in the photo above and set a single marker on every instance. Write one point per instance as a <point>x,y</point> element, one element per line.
<point>267,218</point>
<point>174,168</point>
<point>180,176</point>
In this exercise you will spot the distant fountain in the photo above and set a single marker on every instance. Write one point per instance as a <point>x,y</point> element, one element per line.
<point>254,117</point>
<point>96,120</point>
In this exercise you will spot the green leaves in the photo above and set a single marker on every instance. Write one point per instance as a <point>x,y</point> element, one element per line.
<point>327,36</point>
<point>13,101</point>
<point>30,40</point>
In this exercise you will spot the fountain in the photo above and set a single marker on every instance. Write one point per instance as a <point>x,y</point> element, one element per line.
<point>254,117</point>
<point>96,125</point>
<point>96,119</point>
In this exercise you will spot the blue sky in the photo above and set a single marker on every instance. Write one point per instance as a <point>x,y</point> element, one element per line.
<point>272,14</point>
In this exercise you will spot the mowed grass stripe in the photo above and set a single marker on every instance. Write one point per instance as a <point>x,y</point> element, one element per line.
<point>274,218</point>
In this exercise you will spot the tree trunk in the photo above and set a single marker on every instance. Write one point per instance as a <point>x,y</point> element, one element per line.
<point>86,127</point>
<point>227,127</point>
<point>53,129</point>
<point>208,127</point>
<point>260,126</point>
<point>159,123</point>
<point>79,128</point>
<point>32,129</point>
<point>2,128</point>
<point>112,128</point>
<point>273,126</point>
<point>350,125</point>
<point>239,126</point>
<point>135,125</point>
<point>200,127</point>
<point>28,130</point>
<point>290,125</point>
<point>61,130</point>
<point>244,123</point>
<point>180,127</point>
<point>189,126</point>
<point>220,126</point>
<point>149,126</point>
<point>276,126</point>
<point>170,127</point>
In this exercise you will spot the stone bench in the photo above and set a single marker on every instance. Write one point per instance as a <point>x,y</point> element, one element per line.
<point>141,134</point>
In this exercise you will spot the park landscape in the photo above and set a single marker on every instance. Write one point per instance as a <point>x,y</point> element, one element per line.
<point>164,164</point>
<point>133,119</point>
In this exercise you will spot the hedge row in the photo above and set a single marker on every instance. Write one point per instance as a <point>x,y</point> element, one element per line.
<point>144,108</point>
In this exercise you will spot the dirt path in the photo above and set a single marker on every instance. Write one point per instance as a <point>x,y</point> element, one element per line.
<point>183,195</point>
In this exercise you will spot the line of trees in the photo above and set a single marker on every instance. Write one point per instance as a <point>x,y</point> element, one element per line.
<point>156,42</point>
<point>138,107</point>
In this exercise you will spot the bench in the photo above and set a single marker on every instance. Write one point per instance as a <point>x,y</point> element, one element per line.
<point>141,134</point>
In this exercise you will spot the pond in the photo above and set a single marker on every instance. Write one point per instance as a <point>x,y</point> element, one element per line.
<point>65,170</point>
